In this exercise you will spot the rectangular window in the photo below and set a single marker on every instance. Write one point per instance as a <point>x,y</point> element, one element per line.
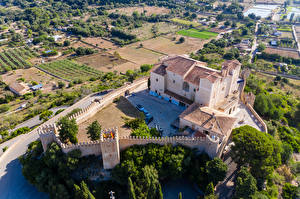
<point>156,79</point>
<point>174,81</point>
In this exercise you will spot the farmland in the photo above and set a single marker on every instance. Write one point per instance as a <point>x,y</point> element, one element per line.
<point>185,22</point>
<point>197,33</point>
<point>101,61</point>
<point>69,70</point>
<point>15,58</point>
<point>148,10</point>
<point>284,53</point>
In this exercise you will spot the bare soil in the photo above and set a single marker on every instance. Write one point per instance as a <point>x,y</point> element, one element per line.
<point>101,61</point>
<point>110,117</point>
<point>149,10</point>
<point>32,74</point>
<point>284,53</point>
<point>101,43</point>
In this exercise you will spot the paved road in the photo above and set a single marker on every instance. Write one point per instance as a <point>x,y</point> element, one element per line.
<point>253,49</point>
<point>29,123</point>
<point>12,183</point>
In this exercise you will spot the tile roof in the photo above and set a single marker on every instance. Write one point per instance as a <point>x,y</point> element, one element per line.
<point>192,70</point>
<point>197,73</point>
<point>17,86</point>
<point>209,119</point>
<point>179,65</point>
<point>230,64</point>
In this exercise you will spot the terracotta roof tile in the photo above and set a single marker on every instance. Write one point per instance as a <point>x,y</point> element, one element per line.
<point>209,119</point>
<point>17,86</point>
<point>179,65</point>
<point>201,72</point>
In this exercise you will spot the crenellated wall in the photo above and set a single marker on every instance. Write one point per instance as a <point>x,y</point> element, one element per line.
<point>110,148</point>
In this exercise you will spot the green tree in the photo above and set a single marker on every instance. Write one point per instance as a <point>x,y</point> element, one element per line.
<point>82,192</point>
<point>181,39</point>
<point>286,153</point>
<point>67,43</point>
<point>245,186</point>
<point>210,189</point>
<point>216,170</point>
<point>261,47</point>
<point>94,130</point>
<point>45,115</point>
<point>131,189</point>
<point>159,194</point>
<point>257,149</point>
<point>61,84</point>
<point>180,195</point>
<point>68,130</point>
<point>289,191</point>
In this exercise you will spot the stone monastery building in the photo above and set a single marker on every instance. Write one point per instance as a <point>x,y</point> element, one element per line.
<point>211,97</point>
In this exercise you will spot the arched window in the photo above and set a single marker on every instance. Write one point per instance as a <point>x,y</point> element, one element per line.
<point>186,86</point>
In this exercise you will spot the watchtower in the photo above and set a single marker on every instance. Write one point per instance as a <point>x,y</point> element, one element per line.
<point>110,148</point>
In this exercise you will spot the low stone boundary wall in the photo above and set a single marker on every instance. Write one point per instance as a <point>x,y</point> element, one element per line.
<point>263,124</point>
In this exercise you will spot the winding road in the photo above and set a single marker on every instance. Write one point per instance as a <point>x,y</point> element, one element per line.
<point>12,183</point>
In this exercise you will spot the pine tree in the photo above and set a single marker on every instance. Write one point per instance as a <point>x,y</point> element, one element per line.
<point>131,189</point>
<point>94,130</point>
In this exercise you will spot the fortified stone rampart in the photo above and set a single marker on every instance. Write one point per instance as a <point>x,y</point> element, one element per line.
<point>206,144</point>
<point>110,145</point>
<point>94,107</point>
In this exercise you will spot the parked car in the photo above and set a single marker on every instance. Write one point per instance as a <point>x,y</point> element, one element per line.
<point>140,107</point>
<point>149,119</point>
<point>158,128</point>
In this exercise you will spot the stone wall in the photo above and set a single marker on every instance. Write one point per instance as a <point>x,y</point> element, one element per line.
<point>211,147</point>
<point>94,107</point>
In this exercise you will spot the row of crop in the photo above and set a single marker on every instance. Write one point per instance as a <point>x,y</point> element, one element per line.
<point>22,59</point>
<point>69,70</point>
<point>7,61</point>
<point>15,59</point>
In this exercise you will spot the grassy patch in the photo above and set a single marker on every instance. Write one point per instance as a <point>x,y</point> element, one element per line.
<point>197,33</point>
<point>185,22</point>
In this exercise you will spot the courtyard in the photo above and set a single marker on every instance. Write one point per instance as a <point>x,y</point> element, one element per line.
<point>164,113</point>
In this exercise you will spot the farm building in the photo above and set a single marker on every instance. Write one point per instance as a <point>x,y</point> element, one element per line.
<point>19,88</point>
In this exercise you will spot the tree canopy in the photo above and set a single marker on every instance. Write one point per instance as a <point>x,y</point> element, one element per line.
<point>257,149</point>
<point>68,130</point>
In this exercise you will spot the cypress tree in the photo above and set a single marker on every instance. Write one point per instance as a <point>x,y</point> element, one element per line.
<point>180,195</point>
<point>210,189</point>
<point>131,192</point>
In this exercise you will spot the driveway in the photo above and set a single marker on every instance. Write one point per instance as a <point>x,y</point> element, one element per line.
<point>163,112</point>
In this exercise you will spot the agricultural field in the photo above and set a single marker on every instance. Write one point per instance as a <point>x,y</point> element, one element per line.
<point>101,61</point>
<point>149,30</point>
<point>185,22</point>
<point>286,35</point>
<point>168,45</point>
<point>197,33</point>
<point>284,53</point>
<point>99,42</point>
<point>29,75</point>
<point>69,70</point>
<point>111,116</point>
<point>149,10</point>
<point>138,55</point>
<point>15,58</point>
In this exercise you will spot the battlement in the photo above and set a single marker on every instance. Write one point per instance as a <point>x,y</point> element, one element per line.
<point>85,112</point>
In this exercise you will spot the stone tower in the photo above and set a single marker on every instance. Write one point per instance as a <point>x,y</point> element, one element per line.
<point>110,148</point>
<point>47,134</point>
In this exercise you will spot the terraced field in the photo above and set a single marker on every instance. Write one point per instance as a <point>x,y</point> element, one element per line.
<point>15,59</point>
<point>69,70</point>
